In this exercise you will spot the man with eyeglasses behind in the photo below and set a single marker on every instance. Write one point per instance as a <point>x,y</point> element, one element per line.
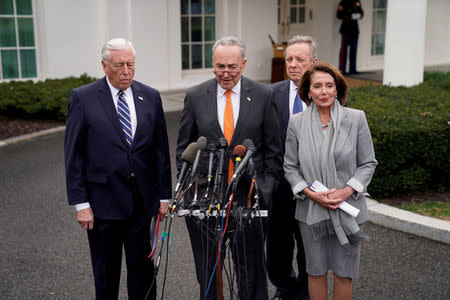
<point>234,107</point>
<point>118,172</point>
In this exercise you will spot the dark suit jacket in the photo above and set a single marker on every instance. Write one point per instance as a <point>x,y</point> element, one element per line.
<point>257,121</point>
<point>98,161</point>
<point>281,91</point>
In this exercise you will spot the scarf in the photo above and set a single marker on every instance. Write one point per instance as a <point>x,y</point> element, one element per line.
<point>317,163</point>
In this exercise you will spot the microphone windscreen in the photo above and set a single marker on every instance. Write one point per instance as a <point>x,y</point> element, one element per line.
<point>223,143</point>
<point>248,143</point>
<point>190,153</point>
<point>212,147</point>
<point>201,143</point>
<point>239,150</point>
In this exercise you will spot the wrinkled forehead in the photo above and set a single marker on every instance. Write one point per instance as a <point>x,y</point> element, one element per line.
<point>227,55</point>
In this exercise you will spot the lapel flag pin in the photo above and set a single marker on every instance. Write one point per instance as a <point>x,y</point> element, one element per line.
<point>140,98</point>
<point>248,99</point>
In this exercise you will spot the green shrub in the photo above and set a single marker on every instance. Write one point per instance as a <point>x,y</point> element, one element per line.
<point>43,99</point>
<point>410,128</point>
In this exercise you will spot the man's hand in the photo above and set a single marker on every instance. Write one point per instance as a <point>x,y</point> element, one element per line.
<point>86,218</point>
<point>163,209</point>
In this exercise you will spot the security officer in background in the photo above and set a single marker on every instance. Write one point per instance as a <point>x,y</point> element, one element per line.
<point>349,11</point>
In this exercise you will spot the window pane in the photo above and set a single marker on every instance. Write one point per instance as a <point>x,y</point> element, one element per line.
<point>28,63</point>
<point>185,56</point>
<point>208,55</point>
<point>301,2</point>
<point>197,56</point>
<point>184,7</point>
<point>301,15</point>
<point>10,65</point>
<point>7,32</point>
<point>378,44</point>
<point>293,1</point>
<point>210,29</point>
<point>24,7</point>
<point>379,3</point>
<point>196,7</point>
<point>379,21</point>
<point>26,32</point>
<point>185,29</point>
<point>293,14</point>
<point>196,29</point>
<point>6,7</point>
<point>210,6</point>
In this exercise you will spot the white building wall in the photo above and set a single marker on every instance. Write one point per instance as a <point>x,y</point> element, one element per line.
<point>437,36</point>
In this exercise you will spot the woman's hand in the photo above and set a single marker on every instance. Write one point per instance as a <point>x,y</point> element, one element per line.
<point>339,196</point>
<point>322,198</point>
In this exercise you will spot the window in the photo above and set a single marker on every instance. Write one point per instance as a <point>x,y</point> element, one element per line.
<point>17,44</point>
<point>378,26</point>
<point>198,33</point>
<point>297,11</point>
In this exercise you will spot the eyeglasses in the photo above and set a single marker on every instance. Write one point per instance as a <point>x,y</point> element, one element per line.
<point>232,70</point>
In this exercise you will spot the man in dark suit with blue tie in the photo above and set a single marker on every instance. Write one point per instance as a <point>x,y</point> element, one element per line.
<point>284,231</point>
<point>118,170</point>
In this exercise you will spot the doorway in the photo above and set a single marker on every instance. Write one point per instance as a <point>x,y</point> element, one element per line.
<point>294,17</point>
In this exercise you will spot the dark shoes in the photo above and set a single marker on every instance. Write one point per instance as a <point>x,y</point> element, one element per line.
<point>300,296</point>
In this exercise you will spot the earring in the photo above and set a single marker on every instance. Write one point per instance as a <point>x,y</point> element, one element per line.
<point>309,98</point>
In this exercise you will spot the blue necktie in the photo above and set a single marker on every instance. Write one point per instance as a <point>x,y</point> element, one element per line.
<point>124,117</point>
<point>298,107</point>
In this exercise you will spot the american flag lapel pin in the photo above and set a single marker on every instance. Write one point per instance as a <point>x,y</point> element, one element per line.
<point>140,98</point>
<point>248,99</point>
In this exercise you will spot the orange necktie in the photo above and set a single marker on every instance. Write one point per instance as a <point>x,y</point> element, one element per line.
<point>228,128</point>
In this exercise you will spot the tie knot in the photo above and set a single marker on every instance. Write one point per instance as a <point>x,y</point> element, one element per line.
<point>120,93</point>
<point>228,93</point>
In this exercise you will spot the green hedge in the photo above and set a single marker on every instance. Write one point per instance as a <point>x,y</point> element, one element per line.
<point>44,99</point>
<point>411,132</point>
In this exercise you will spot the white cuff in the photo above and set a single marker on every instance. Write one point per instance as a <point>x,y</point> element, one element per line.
<point>355,184</point>
<point>164,200</point>
<point>81,206</point>
<point>299,187</point>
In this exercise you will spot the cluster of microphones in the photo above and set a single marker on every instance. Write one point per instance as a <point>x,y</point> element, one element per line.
<point>214,199</point>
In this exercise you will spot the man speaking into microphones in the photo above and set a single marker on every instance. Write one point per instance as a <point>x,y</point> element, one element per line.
<point>232,107</point>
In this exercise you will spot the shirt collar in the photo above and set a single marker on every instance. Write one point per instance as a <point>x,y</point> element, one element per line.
<point>292,86</point>
<point>236,89</point>
<point>114,90</point>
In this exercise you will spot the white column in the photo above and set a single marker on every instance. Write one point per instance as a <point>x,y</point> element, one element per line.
<point>405,42</point>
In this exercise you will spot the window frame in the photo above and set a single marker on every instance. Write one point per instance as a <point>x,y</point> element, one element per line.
<point>17,47</point>
<point>376,10</point>
<point>203,15</point>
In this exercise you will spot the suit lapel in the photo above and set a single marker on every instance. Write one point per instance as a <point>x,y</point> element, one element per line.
<point>139,107</point>
<point>105,97</point>
<point>343,134</point>
<point>211,96</point>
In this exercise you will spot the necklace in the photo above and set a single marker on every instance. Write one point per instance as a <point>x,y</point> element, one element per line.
<point>325,125</point>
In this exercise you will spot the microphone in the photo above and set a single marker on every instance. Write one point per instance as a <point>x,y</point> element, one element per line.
<point>248,143</point>
<point>238,153</point>
<point>201,145</point>
<point>212,151</point>
<point>223,144</point>
<point>188,158</point>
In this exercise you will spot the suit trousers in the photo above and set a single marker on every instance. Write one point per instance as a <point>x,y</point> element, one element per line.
<point>247,250</point>
<point>283,235</point>
<point>106,241</point>
<point>348,40</point>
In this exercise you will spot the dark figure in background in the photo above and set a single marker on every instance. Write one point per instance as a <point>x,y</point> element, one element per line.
<point>284,232</point>
<point>254,112</point>
<point>118,170</point>
<point>349,11</point>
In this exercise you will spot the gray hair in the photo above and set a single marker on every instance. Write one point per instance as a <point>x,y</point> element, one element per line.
<point>298,39</point>
<point>115,44</point>
<point>230,41</point>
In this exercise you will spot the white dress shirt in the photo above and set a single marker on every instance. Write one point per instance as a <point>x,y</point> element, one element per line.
<point>293,90</point>
<point>222,101</point>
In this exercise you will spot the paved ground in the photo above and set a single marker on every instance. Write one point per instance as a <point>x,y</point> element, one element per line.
<point>44,253</point>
